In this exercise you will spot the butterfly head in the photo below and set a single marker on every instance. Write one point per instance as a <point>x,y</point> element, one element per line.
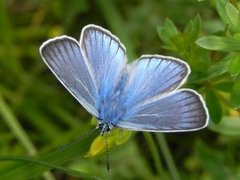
<point>104,127</point>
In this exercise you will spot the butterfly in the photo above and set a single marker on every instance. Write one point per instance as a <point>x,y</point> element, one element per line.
<point>141,96</point>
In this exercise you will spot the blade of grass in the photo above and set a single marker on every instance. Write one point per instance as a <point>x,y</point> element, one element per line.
<point>29,170</point>
<point>16,128</point>
<point>18,131</point>
<point>167,156</point>
<point>155,155</point>
<point>49,165</point>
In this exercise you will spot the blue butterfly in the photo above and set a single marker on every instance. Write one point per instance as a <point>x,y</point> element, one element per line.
<point>140,96</point>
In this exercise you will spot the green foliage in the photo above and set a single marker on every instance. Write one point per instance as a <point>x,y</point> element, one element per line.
<point>219,43</point>
<point>38,115</point>
<point>228,126</point>
<point>183,43</point>
<point>213,162</point>
<point>234,65</point>
<point>32,168</point>
<point>214,106</point>
<point>209,72</point>
<point>235,95</point>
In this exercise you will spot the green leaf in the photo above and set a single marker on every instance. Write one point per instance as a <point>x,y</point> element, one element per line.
<point>236,35</point>
<point>98,146</point>
<point>49,165</point>
<point>122,136</point>
<point>29,170</point>
<point>167,33</point>
<point>229,126</point>
<point>225,86</point>
<point>233,16</point>
<point>219,43</point>
<point>192,29</point>
<point>234,65</point>
<point>169,25</point>
<point>220,4</point>
<point>214,107</point>
<point>219,68</point>
<point>235,95</point>
<point>117,137</point>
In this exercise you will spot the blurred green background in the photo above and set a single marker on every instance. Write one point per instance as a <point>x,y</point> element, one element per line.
<point>38,115</point>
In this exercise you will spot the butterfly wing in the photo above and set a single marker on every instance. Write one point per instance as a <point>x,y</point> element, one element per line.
<point>153,104</point>
<point>106,55</point>
<point>64,58</point>
<point>183,110</point>
<point>152,76</point>
<point>87,69</point>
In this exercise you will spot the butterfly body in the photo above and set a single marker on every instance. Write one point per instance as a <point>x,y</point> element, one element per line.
<point>140,96</point>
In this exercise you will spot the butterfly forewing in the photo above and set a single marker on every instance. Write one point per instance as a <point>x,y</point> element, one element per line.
<point>152,76</point>
<point>64,57</point>
<point>106,56</point>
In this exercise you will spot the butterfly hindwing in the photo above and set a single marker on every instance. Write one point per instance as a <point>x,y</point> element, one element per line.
<point>183,110</point>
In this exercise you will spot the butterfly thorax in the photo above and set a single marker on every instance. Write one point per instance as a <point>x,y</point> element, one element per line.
<point>110,112</point>
<point>111,106</point>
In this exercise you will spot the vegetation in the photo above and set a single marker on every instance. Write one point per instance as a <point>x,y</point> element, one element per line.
<point>38,115</point>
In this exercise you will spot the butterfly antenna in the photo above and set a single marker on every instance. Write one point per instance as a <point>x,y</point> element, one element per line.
<point>77,139</point>
<point>107,150</point>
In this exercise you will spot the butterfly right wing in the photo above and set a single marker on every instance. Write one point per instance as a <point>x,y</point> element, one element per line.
<point>183,110</point>
<point>150,101</point>
<point>151,76</point>
<point>64,58</point>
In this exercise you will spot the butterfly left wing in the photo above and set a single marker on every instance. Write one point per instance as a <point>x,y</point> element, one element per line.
<point>183,110</point>
<point>64,58</point>
<point>89,69</point>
